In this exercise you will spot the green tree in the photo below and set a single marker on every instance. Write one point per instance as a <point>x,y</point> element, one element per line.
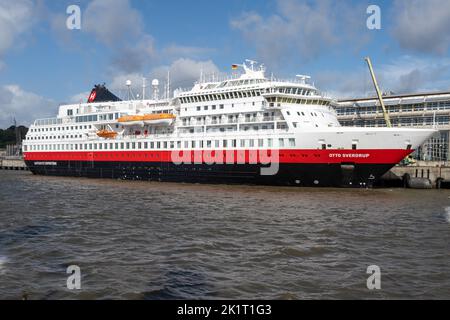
<point>8,136</point>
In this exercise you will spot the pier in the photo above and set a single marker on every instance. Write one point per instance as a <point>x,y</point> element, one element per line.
<point>422,175</point>
<point>13,164</point>
<point>11,159</point>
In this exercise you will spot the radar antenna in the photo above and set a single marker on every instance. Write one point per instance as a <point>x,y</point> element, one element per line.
<point>130,91</point>
<point>303,78</point>
<point>155,86</point>
<point>252,63</point>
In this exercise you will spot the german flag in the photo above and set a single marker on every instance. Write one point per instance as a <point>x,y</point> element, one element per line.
<point>234,67</point>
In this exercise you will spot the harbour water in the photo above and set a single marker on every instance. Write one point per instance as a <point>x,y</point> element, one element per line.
<point>145,240</point>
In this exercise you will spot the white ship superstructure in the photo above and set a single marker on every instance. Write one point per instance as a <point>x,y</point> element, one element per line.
<point>246,129</point>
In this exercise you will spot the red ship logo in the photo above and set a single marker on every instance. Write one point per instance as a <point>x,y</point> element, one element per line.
<point>92,96</point>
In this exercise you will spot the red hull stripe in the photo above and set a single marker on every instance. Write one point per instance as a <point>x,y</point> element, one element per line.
<point>374,156</point>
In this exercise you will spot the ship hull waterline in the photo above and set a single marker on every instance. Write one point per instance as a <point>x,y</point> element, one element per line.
<point>337,174</point>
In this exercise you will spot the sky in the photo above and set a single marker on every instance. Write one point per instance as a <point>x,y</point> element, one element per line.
<point>44,64</point>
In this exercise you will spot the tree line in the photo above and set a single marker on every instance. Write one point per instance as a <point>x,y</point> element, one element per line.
<point>8,136</point>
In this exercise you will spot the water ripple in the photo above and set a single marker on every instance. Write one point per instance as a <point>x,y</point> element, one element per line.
<point>137,240</point>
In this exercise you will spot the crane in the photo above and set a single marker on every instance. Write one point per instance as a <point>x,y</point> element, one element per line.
<point>380,97</point>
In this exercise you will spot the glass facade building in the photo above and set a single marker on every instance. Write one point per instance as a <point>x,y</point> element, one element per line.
<point>421,110</point>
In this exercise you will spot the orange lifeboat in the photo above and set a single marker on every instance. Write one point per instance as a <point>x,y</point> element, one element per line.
<point>107,134</point>
<point>131,120</point>
<point>159,118</point>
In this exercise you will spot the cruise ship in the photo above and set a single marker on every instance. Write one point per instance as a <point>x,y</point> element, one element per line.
<point>244,129</point>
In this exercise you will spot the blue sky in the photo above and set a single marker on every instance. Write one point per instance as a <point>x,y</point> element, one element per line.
<point>42,63</point>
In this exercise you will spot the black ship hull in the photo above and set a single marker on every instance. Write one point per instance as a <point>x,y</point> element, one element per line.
<point>298,174</point>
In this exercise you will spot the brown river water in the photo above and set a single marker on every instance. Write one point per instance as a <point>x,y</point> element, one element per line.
<point>147,240</point>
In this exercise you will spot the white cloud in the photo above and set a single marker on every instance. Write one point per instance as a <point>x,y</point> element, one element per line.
<point>134,58</point>
<point>183,73</point>
<point>422,26</point>
<point>24,106</point>
<point>16,17</point>
<point>175,50</point>
<point>411,74</point>
<point>112,21</point>
<point>118,25</point>
<point>405,74</point>
<point>302,29</point>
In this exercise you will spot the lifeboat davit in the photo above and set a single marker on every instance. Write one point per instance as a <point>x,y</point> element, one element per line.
<point>107,134</point>
<point>159,118</point>
<point>131,121</point>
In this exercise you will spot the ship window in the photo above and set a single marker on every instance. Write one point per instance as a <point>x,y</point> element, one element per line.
<point>205,107</point>
<point>158,145</point>
<point>186,144</point>
<point>233,143</point>
<point>198,108</point>
<point>281,142</point>
<point>208,143</point>
<point>225,143</point>
<point>128,145</point>
<point>152,145</point>
<point>216,142</point>
<point>354,146</point>
<point>292,142</point>
<point>260,142</point>
<point>100,146</point>
<point>145,145</point>
<point>178,144</point>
